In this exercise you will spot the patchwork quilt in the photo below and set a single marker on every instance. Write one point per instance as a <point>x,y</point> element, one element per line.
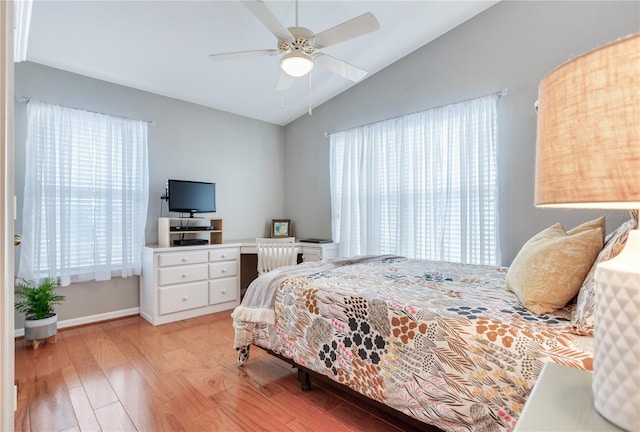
<point>442,342</point>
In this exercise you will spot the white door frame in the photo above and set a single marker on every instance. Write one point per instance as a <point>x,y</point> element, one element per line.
<point>7,361</point>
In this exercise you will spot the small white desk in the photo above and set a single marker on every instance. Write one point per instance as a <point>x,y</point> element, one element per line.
<point>310,251</point>
<point>562,400</point>
<point>249,259</point>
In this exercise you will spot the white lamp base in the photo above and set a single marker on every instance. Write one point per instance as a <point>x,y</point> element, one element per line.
<point>616,356</point>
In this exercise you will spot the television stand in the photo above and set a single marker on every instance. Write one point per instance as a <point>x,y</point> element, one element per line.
<point>187,229</point>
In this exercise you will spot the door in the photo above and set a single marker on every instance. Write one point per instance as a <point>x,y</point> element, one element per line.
<point>6,218</point>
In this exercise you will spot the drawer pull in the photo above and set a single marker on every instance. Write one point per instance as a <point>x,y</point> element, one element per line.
<point>223,256</point>
<point>224,291</point>
<point>223,270</point>
<point>185,259</point>
<point>185,298</point>
<point>184,275</point>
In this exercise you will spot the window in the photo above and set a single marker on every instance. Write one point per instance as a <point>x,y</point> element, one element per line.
<point>85,197</point>
<point>422,185</point>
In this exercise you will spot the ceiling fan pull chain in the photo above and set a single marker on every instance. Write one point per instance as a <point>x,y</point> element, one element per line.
<point>310,112</point>
<point>282,101</point>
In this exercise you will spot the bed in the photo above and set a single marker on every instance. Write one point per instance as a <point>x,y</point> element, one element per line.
<point>444,343</point>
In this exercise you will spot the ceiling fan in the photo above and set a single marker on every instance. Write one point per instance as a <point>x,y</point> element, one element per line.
<point>300,46</point>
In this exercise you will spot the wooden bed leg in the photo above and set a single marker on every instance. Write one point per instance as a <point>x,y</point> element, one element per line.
<point>305,380</point>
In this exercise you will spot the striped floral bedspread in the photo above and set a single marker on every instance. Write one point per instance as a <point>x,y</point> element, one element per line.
<point>442,342</point>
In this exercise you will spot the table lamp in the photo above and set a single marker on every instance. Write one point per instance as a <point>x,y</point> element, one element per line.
<point>588,156</point>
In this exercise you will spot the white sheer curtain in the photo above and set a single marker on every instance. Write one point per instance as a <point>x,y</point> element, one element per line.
<point>423,185</point>
<point>85,195</point>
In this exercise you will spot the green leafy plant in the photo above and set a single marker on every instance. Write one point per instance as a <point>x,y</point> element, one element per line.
<point>37,299</point>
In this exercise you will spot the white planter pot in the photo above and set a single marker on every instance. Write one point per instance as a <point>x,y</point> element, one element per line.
<point>40,329</point>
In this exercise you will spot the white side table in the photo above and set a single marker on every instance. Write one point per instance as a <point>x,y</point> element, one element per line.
<point>562,400</point>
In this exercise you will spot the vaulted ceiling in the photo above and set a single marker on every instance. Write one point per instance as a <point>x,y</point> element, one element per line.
<point>163,46</point>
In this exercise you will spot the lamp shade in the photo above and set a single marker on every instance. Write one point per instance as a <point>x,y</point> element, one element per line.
<point>588,137</point>
<point>297,63</point>
<point>588,155</point>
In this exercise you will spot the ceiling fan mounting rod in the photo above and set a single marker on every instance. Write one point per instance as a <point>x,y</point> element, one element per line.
<point>302,41</point>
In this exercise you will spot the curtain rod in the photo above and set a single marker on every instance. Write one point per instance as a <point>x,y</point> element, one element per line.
<point>24,99</point>
<point>499,93</point>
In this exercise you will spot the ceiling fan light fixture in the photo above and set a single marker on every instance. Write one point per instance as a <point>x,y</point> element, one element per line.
<point>297,63</point>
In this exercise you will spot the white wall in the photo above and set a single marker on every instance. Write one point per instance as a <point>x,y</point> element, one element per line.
<point>512,45</point>
<point>243,156</point>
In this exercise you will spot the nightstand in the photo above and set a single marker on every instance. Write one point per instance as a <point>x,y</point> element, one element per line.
<point>562,400</point>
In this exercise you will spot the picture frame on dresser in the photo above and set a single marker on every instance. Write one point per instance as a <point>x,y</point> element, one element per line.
<point>280,228</point>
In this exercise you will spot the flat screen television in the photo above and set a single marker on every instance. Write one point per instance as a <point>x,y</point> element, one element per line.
<point>191,196</point>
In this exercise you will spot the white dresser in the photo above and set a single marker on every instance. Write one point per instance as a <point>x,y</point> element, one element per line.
<point>185,282</point>
<point>188,281</point>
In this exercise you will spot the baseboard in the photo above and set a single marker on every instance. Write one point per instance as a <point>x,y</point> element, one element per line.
<point>73,322</point>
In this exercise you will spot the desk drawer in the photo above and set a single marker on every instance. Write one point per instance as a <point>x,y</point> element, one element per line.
<point>223,269</point>
<point>223,290</point>
<point>224,254</point>
<point>312,255</point>
<point>182,258</point>
<point>182,274</point>
<point>182,297</point>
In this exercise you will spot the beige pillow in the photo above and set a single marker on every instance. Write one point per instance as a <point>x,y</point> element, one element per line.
<point>549,269</point>
<point>596,223</point>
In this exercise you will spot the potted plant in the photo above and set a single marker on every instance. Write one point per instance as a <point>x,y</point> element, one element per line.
<point>37,301</point>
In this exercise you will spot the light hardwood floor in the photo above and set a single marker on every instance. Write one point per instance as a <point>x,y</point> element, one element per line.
<point>127,375</point>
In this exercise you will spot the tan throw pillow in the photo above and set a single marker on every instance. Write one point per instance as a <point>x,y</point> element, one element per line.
<point>593,224</point>
<point>549,269</point>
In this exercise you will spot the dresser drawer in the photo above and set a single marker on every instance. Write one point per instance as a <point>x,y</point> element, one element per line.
<point>182,274</point>
<point>224,254</point>
<point>223,269</point>
<point>223,290</point>
<point>181,258</point>
<point>182,297</point>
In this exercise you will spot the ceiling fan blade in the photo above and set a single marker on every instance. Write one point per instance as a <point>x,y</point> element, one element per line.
<point>242,54</point>
<point>285,82</point>
<point>340,67</point>
<point>262,12</point>
<point>358,26</point>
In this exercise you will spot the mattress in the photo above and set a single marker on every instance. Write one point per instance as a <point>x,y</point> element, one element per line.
<point>442,342</point>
